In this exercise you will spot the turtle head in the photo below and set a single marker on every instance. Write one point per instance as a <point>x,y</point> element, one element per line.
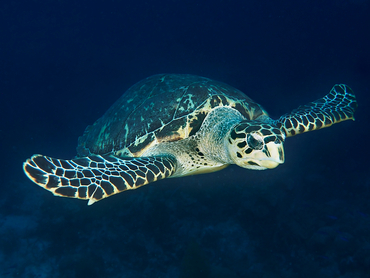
<point>256,145</point>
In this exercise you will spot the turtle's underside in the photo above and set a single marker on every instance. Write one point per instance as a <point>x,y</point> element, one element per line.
<point>177,125</point>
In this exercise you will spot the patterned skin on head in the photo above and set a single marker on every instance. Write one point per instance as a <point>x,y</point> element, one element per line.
<point>256,145</point>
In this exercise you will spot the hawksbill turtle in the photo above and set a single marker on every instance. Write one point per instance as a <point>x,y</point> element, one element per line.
<point>174,125</point>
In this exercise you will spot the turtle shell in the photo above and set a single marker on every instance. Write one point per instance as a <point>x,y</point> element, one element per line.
<point>160,108</point>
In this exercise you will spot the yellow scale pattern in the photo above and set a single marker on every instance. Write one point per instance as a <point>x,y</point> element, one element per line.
<point>337,106</point>
<point>96,177</point>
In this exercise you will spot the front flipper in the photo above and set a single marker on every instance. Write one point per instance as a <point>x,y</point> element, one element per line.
<point>337,106</point>
<point>96,177</point>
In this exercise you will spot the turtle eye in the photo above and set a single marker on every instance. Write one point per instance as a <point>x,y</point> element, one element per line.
<point>255,141</point>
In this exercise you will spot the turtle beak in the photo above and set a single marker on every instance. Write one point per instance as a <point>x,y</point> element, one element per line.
<point>271,156</point>
<point>274,155</point>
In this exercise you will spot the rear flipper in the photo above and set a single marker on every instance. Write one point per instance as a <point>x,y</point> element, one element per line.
<point>96,177</point>
<point>337,106</point>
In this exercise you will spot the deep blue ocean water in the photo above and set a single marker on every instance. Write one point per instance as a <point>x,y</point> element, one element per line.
<point>63,63</point>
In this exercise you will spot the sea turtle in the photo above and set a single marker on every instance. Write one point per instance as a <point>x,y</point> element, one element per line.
<point>174,125</point>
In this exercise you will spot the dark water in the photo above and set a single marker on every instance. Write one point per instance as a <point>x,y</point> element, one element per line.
<point>63,63</point>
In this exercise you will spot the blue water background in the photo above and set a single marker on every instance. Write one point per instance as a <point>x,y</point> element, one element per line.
<point>63,63</point>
